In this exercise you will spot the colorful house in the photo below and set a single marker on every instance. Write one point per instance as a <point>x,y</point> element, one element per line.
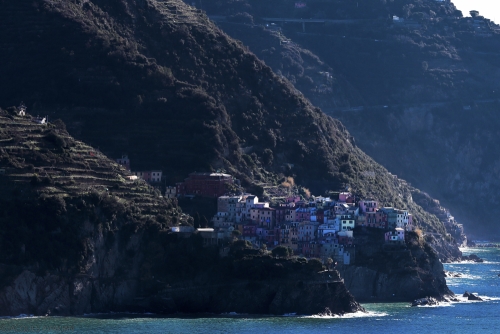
<point>347,222</point>
<point>396,236</point>
<point>153,176</point>
<point>263,217</point>
<point>171,192</point>
<point>302,214</point>
<point>290,215</point>
<point>307,231</point>
<point>124,161</point>
<point>368,206</point>
<point>289,235</point>
<point>280,213</point>
<point>344,196</point>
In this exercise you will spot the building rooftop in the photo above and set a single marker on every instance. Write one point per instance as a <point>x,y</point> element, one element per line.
<point>204,229</point>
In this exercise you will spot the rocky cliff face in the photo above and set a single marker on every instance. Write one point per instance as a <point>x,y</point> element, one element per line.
<point>320,293</point>
<point>115,283</point>
<point>394,273</point>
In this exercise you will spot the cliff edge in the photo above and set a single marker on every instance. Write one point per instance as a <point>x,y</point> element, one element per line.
<point>399,272</point>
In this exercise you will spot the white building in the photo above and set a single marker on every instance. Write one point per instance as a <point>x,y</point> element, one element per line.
<point>325,229</point>
<point>171,192</point>
<point>402,219</point>
<point>347,222</point>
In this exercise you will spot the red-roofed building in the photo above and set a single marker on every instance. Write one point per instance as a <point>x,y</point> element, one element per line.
<point>205,184</point>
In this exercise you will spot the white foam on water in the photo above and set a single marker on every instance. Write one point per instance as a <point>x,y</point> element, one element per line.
<point>440,304</point>
<point>22,316</point>
<point>462,299</point>
<point>464,276</point>
<point>465,262</point>
<point>487,299</point>
<point>359,314</point>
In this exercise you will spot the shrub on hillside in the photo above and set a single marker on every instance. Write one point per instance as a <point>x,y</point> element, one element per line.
<point>56,139</point>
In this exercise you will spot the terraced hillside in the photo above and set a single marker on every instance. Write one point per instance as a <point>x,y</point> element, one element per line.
<point>54,164</point>
<point>44,168</point>
<point>76,236</point>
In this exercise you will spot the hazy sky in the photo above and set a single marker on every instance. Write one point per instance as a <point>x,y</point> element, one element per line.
<point>487,8</point>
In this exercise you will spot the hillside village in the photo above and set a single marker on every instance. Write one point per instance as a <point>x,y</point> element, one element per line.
<point>315,227</point>
<point>318,227</point>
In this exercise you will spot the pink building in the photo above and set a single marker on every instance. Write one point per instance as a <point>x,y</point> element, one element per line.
<point>293,199</point>
<point>344,196</point>
<point>153,176</point>
<point>409,227</point>
<point>380,219</point>
<point>302,214</point>
<point>263,216</point>
<point>370,219</point>
<point>320,215</point>
<point>280,214</point>
<point>368,206</point>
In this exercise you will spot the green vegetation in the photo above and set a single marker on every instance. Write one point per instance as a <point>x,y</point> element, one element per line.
<point>181,92</point>
<point>423,90</point>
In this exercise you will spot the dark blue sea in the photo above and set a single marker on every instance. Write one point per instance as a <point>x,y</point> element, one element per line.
<point>458,317</point>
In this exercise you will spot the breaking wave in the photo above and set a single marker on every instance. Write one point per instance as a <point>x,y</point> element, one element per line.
<point>359,314</point>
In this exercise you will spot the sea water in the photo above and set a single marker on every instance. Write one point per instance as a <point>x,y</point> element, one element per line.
<point>456,317</point>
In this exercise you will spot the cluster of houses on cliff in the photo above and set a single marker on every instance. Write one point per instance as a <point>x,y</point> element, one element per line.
<point>319,227</point>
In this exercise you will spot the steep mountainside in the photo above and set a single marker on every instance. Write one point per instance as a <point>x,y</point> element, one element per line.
<point>168,87</point>
<point>303,69</point>
<point>76,236</point>
<point>161,82</point>
<point>425,83</point>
